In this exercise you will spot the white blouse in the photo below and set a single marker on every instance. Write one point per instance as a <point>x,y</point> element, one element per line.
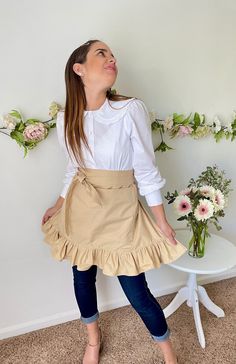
<point>119,140</point>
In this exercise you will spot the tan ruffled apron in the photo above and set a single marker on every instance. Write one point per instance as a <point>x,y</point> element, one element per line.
<point>102,222</point>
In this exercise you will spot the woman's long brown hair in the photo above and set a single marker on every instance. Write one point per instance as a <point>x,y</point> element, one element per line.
<point>76,103</point>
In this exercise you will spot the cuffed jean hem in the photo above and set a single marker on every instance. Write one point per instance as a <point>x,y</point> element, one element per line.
<point>88,320</point>
<point>163,337</point>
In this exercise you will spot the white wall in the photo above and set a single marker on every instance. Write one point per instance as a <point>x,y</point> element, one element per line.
<point>178,56</point>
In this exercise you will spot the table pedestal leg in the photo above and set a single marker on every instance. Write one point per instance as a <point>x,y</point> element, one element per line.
<point>207,302</point>
<point>192,293</point>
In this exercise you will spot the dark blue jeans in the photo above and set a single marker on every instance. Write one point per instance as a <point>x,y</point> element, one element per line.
<point>136,291</point>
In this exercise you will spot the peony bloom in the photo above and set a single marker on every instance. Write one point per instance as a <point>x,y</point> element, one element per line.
<point>9,121</point>
<point>204,210</point>
<point>53,109</point>
<point>168,123</point>
<point>184,130</point>
<point>35,132</point>
<point>183,205</point>
<point>218,201</point>
<point>207,191</point>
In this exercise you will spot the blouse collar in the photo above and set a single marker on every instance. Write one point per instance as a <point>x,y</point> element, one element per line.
<point>109,114</point>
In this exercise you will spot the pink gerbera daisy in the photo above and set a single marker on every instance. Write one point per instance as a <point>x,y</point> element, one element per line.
<point>183,205</point>
<point>204,210</point>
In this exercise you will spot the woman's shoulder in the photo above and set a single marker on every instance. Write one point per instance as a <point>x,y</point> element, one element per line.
<point>127,103</point>
<point>130,107</point>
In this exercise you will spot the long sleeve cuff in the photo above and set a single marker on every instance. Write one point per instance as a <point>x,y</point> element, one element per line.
<point>154,198</point>
<point>64,191</point>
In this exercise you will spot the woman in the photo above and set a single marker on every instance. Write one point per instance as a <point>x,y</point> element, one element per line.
<point>98,220</point>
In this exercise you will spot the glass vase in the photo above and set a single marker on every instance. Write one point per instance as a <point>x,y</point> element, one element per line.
<point>196,246</point>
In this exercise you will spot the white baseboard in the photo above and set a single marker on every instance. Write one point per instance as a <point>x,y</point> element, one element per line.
<point>60,318</point>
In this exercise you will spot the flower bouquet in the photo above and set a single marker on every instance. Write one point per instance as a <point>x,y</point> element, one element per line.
<point>30,132</point>
<point>201,203</point>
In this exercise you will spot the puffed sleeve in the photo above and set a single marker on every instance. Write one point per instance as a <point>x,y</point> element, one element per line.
<point>146,172</point>
<point>71,167</point>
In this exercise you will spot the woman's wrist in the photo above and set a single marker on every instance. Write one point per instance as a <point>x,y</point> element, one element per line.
<point>159,213</point>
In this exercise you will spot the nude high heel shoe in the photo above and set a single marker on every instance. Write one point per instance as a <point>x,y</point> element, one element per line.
<point>86,359</point>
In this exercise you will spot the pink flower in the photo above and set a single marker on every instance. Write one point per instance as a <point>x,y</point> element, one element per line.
<point>218,201</point>
<point>183,205</point>
<point>204,210</point>
<point>184,130</point>
<point>35,132</point>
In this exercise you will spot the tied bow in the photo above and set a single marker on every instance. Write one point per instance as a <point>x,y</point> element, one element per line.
<point>92,194</point>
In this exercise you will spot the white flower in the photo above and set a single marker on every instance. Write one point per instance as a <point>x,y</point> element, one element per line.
<point>168,123</point>
<point>219,200</point>
<point>207,191</point>
<point>204,210</point>
<point>183,205</point>
<point>152,116</point>
<point>228,127</point>
<point>9,121</point>
<point>216,124</point>
<point>53,109</point>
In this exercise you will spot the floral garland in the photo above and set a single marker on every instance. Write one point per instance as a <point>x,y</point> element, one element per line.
<point>177,125</point>
<point>30,132</point>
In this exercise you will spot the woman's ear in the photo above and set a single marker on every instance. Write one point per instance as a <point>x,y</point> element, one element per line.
<point>77,69</point>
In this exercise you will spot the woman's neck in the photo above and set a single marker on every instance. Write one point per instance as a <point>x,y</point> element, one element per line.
<point>95,101</point>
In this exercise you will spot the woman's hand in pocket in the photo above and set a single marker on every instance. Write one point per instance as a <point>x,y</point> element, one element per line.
<point>168,231</point>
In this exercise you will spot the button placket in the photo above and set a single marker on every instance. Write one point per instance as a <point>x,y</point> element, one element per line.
<point>91,131</point>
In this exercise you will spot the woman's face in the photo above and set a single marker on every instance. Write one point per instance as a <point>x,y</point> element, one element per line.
<point>100,69</point>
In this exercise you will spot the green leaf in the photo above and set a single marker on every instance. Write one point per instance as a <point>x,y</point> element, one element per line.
<point>17,136</point>
<point>155,125</point>
<point>196,119</point>
<point>15,114</point>
<point>32,121</point>
<point>233,137</point>
<point>233,124</point>
<point>182,218</point>
<point>25,151</point>
<point>178,119</point>
<point>186,121</point>
<point>20,127</point>
<point>162,147</point>
<point>219,135</point>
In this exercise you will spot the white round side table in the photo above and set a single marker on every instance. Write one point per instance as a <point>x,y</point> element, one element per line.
<point>220,255</point>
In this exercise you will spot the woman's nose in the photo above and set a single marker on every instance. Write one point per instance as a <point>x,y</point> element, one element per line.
<point>112,60</point>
